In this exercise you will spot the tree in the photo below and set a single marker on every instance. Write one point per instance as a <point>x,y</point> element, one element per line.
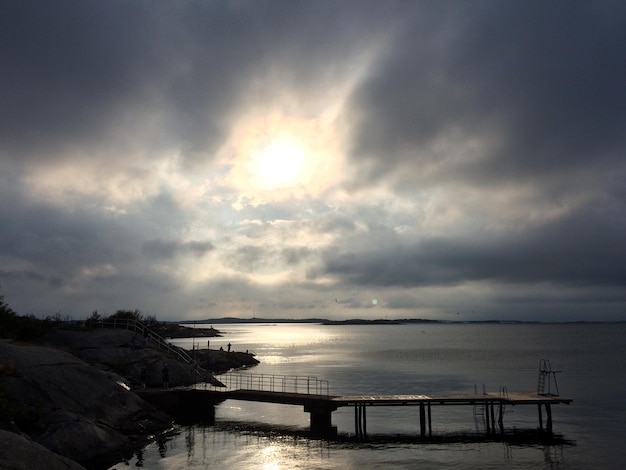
<point>5,310</point>
<point>93,320</point>
<point>7,318</point>
<point>24,328</point>
<point>127,315</point>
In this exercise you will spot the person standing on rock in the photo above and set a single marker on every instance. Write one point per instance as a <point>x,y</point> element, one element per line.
<point>166,376</point>
<point>228,347</point>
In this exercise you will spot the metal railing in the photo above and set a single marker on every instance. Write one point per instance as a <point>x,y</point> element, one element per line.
<point>274,383</point>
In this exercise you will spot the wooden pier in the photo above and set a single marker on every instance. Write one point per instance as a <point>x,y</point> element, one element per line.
<point>492,405</point>
<point>312,394</point>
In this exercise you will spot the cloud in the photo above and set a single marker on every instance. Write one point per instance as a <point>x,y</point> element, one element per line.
<point>582,249</point>
<point>496,91</point>
<point>227,158</point>
<point>170,248</point>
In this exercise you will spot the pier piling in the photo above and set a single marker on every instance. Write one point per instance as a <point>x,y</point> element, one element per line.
<point>422,420</point>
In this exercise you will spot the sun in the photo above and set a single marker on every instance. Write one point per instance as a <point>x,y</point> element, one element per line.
<point>278,156</point>
<point>279,164</point>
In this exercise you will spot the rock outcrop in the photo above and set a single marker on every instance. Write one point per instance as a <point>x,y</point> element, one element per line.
<point>124,353</point>
<point>72,394</point>
<point>222,361</point>
<point>21,453</point>
<point>76,410</point>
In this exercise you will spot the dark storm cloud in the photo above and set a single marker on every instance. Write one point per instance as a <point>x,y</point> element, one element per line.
<point>93,74</point>
<point>69,67</point>
<point>59,240</point>
<point>24,275</point>
<point>79,72</point>
<point>542,82</point>
<point>63,244</point>
<point>585,249</point>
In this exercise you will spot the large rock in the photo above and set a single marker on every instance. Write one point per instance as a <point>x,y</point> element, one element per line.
<point>20,453</point>
<point>85,413</point>
<point>77,389</point>
<point>223,361</point>
<point>123,352</point>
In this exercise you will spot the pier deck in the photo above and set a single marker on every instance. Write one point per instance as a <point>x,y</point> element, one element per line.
<point>492,406</point>
<point>512,398</point>
<point>287,398</point>
<point>321,405</point>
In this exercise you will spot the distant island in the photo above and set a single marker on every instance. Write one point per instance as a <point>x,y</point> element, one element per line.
<point>357,321</point>
<point>319,321</point>
<point>326,321</point>
<point>379,321</point>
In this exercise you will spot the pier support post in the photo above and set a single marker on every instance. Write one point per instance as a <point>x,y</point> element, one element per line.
<point>364,420</point>
<point>430,422</point>
<point>422,420</point>
<point>548,418</point>
<point>360,420</point>
<point>321,419</point>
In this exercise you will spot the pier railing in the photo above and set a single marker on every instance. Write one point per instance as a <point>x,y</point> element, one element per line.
<point>274,383</point>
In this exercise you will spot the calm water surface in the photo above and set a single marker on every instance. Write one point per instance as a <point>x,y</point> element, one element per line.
<point>415,359</point>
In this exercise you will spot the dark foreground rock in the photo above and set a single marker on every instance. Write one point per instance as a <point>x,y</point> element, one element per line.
<point>72,394</point>
<point>21,453</point>
<point>124,353</point>
<point>71,408</point>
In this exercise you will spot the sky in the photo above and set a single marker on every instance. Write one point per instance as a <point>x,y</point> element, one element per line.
<point>448,160</point>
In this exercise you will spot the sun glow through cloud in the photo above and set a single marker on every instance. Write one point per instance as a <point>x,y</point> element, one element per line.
<point>277,155</point>
<point>281,163</point>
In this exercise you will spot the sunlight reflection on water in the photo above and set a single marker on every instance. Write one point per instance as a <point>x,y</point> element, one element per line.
<point>405,359</point>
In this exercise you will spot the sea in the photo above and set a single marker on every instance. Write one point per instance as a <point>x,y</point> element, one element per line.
<point>588,361</point>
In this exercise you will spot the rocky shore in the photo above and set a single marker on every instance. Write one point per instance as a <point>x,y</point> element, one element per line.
<point>70,398</point>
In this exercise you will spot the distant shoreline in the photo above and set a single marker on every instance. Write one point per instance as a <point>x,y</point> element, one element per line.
<point>403,321</point>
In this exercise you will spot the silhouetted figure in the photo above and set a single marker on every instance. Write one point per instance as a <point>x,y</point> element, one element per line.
<point>166,376</point>
<point>162,445</point>
<point>228,347</point>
